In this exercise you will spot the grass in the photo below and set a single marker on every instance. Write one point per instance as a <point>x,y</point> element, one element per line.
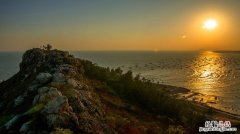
<point>34,109</point>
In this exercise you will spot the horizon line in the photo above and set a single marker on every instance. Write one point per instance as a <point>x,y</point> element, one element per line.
<point>131,50</point>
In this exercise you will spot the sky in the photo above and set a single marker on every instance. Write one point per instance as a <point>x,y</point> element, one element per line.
<point>119,24</point>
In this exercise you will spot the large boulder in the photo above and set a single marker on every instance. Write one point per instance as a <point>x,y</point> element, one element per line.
<point>31,59</point>
<point>45,94</point>
<point>58,113</point>
<point>43,78</point>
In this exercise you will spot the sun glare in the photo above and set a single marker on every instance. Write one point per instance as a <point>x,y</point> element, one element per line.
<point>210,24</point>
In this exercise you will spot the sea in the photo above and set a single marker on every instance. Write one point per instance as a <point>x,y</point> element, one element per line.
<point>205,72</point>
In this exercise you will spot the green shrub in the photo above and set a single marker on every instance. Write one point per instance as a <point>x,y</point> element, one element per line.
<point>145,94</point>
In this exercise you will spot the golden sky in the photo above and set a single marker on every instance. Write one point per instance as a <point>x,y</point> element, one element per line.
<point>119,25</point>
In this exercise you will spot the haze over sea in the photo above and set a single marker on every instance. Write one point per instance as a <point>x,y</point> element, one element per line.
<point>209,73</point>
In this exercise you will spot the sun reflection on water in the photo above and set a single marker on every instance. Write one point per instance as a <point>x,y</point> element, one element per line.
<point>207,69</point>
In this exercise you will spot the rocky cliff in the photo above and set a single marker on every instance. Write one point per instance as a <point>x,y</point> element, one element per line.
<point>49,93</point>
<point>58,94</point>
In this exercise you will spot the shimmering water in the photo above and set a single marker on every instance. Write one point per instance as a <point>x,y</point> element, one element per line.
<point>208,73</point>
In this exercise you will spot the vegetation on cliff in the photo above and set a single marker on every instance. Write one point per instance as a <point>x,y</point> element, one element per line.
<point>149,96</point>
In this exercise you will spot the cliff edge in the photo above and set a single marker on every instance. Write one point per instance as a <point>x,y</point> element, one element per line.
<point>50,92</point>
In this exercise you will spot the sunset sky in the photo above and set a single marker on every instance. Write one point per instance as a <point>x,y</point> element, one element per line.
<point>119,25</point>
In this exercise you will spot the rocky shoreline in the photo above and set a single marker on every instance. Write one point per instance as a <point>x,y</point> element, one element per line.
<point>201,101</point>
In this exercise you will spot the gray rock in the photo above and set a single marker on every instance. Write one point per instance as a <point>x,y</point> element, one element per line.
<point>33,87</point>
<point>26,75</point>
<point>19,100</point>
<point>72,82</point>
<point>56,104</point>
<point>43,78</point>
<point>45,94</point>
<point>25,127</point>
<point>58,77</point>
<point>31,58</point>
<point>58,112</point>
<point>68,69</point>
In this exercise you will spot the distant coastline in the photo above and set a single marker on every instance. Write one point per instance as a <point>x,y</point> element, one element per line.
<point>223,51</point>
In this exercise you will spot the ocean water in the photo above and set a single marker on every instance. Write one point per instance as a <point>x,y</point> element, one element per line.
<point>208,73</point>
<point>9,64</point>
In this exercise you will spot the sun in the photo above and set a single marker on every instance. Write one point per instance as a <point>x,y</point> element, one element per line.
<point>210,24</point>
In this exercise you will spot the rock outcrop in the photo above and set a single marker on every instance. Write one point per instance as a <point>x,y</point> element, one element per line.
<point>50,92</point>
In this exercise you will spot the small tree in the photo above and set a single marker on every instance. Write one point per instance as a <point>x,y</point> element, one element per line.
<point>48,47</point>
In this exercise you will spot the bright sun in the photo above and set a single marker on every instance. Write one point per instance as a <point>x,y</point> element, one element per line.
<point>210,24</point>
